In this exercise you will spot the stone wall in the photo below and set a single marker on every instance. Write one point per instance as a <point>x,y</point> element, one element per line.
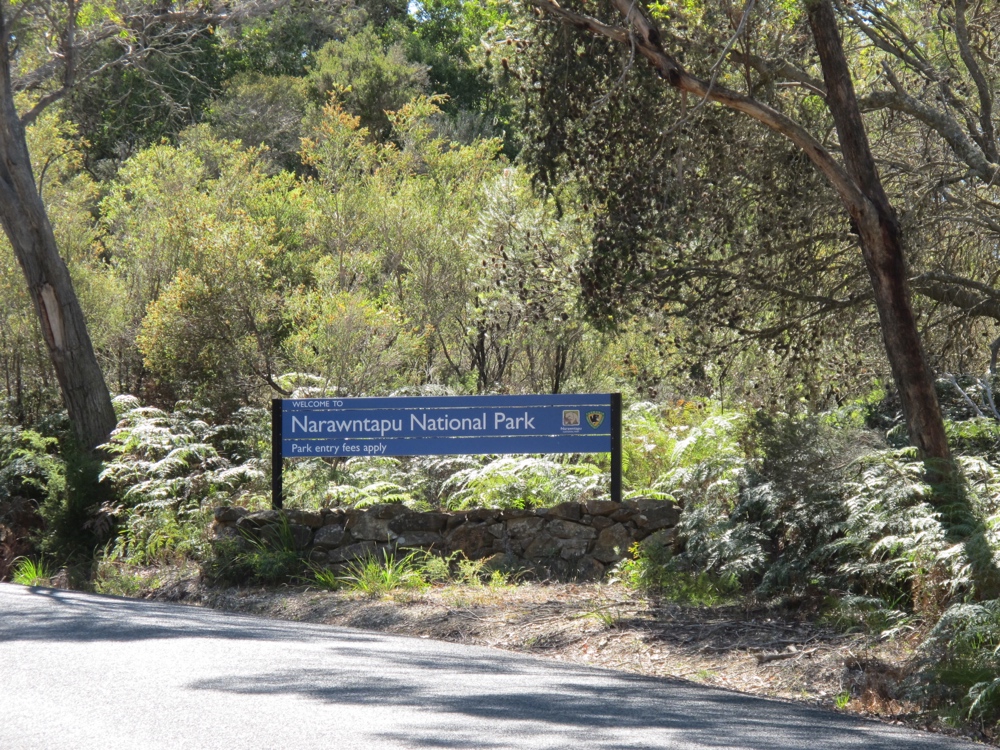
<point>572,540</point>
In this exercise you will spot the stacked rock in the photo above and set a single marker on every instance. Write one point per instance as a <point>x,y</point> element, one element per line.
<point>567,541</point>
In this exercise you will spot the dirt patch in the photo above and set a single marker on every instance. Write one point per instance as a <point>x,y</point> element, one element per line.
<point>757,651</point>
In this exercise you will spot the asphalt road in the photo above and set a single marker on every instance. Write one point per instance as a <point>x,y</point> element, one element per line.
<point>79,671</point>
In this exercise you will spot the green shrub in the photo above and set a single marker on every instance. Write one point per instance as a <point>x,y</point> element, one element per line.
<point>166,459</point>
<point>820,508</point>
<point>474,573</point>
<point>119,579</point>
<point>653,569</point>
<point>376,493</point>
<point>385,572</point>
<point>438,568</point>
<point>649,433</point>
<point>648,568</point>
<point>377,575</point>
<point>868,614</point>
<point>273,565</point>
<point>360,481</point>
<point>29,465</point>
<point>306,482</point>
<point>272,555</point>
<point>62,482</point>
<point>325,578</point>
<point>776,532</point>
<point>960,663</point>
<point>227,562</point>
<point>151,535</point>
<point>894,545</point>
<point>233,564</point>
<point>168,470</point>
<point>706,463</point>
<point>457,568</point>
<point>979,436</point>
<point>523,482</point>
<point>268,556</point>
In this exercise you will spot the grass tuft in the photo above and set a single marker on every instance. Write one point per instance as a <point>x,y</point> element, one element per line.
<point>325,578</point>
<point>376,576</point>
<point>28,572</point>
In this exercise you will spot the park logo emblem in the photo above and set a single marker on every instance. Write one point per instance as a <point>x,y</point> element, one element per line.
<point>595,418</point>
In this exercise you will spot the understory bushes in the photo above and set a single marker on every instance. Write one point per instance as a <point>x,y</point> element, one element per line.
<point>448,483</point>
<point>169,470</point>
<point>808,511</point>
<point>777,506</point>
<point>270,559</point>
<point>172,458</point>
<point>830,516</point>
<point>47,488</point>
<point>30,475</point>
<point>959,663</point>
<point>515,482</point>
<point>812,508</point>
<point>671,452</point>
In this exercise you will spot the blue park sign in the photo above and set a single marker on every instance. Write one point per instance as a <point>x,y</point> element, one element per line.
<point>445,425</point>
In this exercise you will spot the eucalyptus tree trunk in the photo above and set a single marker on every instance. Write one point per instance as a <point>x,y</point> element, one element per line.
<point>26,224</point>
<point>882,249</point>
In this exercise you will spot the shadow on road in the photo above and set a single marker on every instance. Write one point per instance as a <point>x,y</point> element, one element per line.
<point>109,618</point>
<point>457,689</point>
<point>572,700</point>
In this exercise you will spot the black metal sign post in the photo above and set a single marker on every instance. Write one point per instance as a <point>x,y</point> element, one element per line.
<point>616,447</point>
<point>276,462</point>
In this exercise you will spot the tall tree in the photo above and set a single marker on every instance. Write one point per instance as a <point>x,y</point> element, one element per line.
<point>881,242</point>
<point>47,49</point>
<point>856,182</point>
<point>27,227</point>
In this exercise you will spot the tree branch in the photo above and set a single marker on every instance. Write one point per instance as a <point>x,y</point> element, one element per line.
<point>965,396</point>
<point>827,303</point>
<point>973,297</point>
<point>138,34</point>
<point>648,42</point>
<point>777,68</point>
<point>985,96</point>
<point>943,124</point>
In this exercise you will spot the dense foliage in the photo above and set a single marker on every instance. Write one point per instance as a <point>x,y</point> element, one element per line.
<point>459,196</point>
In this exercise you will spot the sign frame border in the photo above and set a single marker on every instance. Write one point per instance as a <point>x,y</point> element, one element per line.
<point>277,460</point>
